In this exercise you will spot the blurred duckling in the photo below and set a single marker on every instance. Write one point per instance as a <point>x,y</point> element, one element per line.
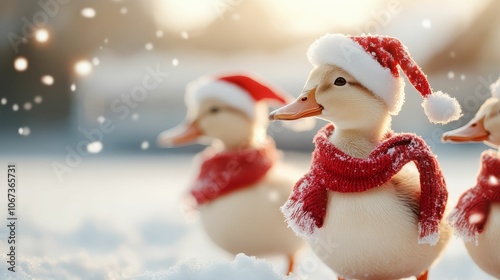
<point>476,218</point>
<point>240,185</point>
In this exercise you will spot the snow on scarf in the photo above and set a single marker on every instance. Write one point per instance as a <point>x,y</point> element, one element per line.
<point>224,172</point>
<point>332,169</point>
<point>471,213</point>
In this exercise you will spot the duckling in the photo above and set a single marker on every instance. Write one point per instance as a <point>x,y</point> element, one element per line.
<point>240,185</point>
<point>367,213</point>
<point>477,215</point>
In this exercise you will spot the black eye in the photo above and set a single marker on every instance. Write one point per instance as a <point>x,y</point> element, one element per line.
<point>214,110</point>
<point>340,81</point>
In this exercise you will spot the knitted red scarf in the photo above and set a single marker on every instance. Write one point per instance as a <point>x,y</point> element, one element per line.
<point>331,169</point>
<point>478,199</point>
<point>225,172</point>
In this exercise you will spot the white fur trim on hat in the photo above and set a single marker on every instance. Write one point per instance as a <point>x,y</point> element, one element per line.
<point>340,50</point>
<point>441,108</point>
<point>207,88</point>
<point>495,89</point>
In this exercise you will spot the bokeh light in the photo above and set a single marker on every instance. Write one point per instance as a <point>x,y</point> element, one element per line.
<point>88,12</point>
<point>83,67</point>
<point>42,35</point>
<point>24,131</point>
<point>94,147</point>
<point>21,64</point>
<point>47,80</point>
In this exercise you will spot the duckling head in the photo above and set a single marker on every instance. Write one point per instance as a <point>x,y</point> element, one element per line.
<point>334,95</point>
<point>225,111</point>
<point>352,74</point>
<point>484,127</point>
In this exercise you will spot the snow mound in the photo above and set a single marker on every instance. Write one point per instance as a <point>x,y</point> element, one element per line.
<point>242,268</point>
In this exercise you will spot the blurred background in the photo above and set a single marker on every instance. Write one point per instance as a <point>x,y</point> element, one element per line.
<point>66,62</point>
<point>69,67</point>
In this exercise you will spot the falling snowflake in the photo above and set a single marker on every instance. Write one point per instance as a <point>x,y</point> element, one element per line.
<point>73,87</point>
<point>124,10</point>
<point>3,101</point>
<point>175,62</point>
<point>38,99</point>
<point>27,106</point>
<point>95,61</point>
<point>101,119</point>
<point>476,218</point>
<point>135,116</point>
<point>88,12</point>
<point>159,33</point>
<point>24,131</point>
<point>184,35</point>
<point>94,147</point>
<point>83,67</point>
<point>451,75</point>
<point>42,35</point>
<point>145,145</point>
<point>21,64</point>
<point>47,80</point>
<point>15,107</point>
<point>149,46</point>
<point>493,180</point>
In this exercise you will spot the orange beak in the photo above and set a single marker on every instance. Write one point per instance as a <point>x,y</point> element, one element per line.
<point>304,106</point>
<point>474,131</point>
<point>182,134</point>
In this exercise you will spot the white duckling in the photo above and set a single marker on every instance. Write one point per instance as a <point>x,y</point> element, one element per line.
<point>240,186</point>
<point>476,218</point>
<point>363,210</point>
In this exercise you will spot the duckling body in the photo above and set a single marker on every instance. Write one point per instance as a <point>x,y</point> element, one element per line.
<point>373,234</point>
<point>249,221</point>
<point>486,252</point>
<point>377,229</point>
<point>485,126</point>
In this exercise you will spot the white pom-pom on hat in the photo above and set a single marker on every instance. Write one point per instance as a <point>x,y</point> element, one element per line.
<point>441,108</point>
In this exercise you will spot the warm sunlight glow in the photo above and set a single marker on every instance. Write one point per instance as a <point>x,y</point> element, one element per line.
<point>181,15</point>
<point>319,16</point>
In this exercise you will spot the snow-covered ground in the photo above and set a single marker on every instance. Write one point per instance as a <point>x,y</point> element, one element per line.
<point>242,268</point>
<point>121,218</point>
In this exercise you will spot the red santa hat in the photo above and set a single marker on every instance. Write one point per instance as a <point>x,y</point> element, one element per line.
<point>373,61</point>
<point>239,91</point>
